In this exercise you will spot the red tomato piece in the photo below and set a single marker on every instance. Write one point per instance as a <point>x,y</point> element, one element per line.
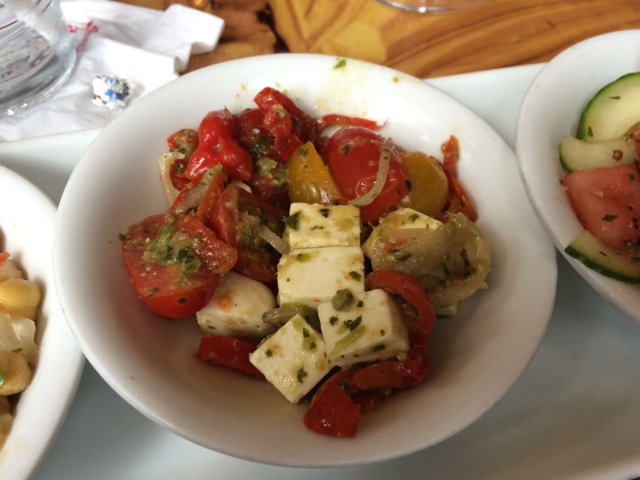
<point>396,374</point>
<point>228,351</point>
<point>166,289</point>
<point>217,256</point>
<point>218,147</point>
<point>353,155</point>
<point>607,202</point>
<point>459,200</point>
<point>184,141</point>
<point>230,218</point>
<point>252,135</point>
<point>336,120</point>
<point>289,125</point>
<point>332,411</point>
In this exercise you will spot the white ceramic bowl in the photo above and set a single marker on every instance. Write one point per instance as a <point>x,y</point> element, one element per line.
<point>27,219</point>
<point>150,361</point>
<point>550,110</point>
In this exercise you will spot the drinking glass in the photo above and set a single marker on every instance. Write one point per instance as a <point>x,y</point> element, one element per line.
<point>36,53</point>
<point>431,6</point>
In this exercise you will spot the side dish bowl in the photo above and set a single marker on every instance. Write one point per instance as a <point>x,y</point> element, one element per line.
<point>550,110</point>
<point>476,356</point>
<point>27,218</point>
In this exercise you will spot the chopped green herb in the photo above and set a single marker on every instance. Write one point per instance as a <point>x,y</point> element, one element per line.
<point>293,221</point>
<point>301,374</point>
<point>353,324</point>
<point>343,299</point>
<point>341,63</point>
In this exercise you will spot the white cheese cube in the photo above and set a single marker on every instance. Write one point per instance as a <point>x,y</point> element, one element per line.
<point>294,359</point>
<point>315,225</point>
<point>312,276</point>
<point>367,330</point>
<point>236,308</point>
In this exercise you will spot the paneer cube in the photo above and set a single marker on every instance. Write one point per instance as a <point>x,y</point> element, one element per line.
<point>315,225</point>
<point>312,276</point>
<point>294,359</point>
<point>236,308</point>
<point>366,329</point>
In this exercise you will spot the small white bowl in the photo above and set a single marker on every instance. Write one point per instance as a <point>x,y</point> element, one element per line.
<point>27,220</point>
<point>550,110</point>
<point>150,361</point>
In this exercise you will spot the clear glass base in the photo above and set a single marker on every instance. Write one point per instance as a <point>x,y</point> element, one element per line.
<point>38,87</point>
<point>431,6</point>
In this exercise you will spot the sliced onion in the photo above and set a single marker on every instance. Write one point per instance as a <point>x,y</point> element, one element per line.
<point>17,335</point>
<point>268,235</point>
<point>166,161</point>
<point>381,179</point>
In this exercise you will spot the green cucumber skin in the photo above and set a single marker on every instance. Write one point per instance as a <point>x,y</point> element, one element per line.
<point>603,259</point>
<point>600,120</point>
<point>577,154</point>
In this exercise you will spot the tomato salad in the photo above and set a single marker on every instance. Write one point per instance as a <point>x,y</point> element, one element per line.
<point>239,187</point>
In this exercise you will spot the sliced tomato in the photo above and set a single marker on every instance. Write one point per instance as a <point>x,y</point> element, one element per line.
<point>228,351</point>
<point>231,219</point>
<point>217,146</point>
<point>607,202</point>
<point>167,289</point>
<point>332,411</point>
<point>217,255</point>
<point>336,120</point>
<point>353,155</point>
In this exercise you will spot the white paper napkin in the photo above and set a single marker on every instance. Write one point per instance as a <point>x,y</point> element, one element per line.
<point>146,47</point>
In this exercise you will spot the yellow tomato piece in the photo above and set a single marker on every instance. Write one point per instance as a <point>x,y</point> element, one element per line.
<point>309,179</point>
<point>429,184</point>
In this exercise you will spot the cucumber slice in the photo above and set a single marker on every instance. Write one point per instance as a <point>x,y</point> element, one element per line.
<point>621,264</point>
<point>580,155</point>
<point>613,111</point>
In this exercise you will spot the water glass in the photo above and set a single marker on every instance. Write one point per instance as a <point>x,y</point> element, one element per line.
<point>36,53</point>
<point>431,6</point>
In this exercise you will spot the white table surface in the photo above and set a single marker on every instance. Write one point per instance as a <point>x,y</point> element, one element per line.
<point>574,413</point>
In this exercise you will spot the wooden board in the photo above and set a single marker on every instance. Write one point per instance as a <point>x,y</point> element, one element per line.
<point>498,33</point>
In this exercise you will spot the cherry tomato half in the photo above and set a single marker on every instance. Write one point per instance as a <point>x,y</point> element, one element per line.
<point>353,155</point>
<point>429,184</point>
<point>169,290</point>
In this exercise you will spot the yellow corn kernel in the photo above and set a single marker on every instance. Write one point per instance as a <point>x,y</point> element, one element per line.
<point>20,298</point>
<point>15,373</point>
